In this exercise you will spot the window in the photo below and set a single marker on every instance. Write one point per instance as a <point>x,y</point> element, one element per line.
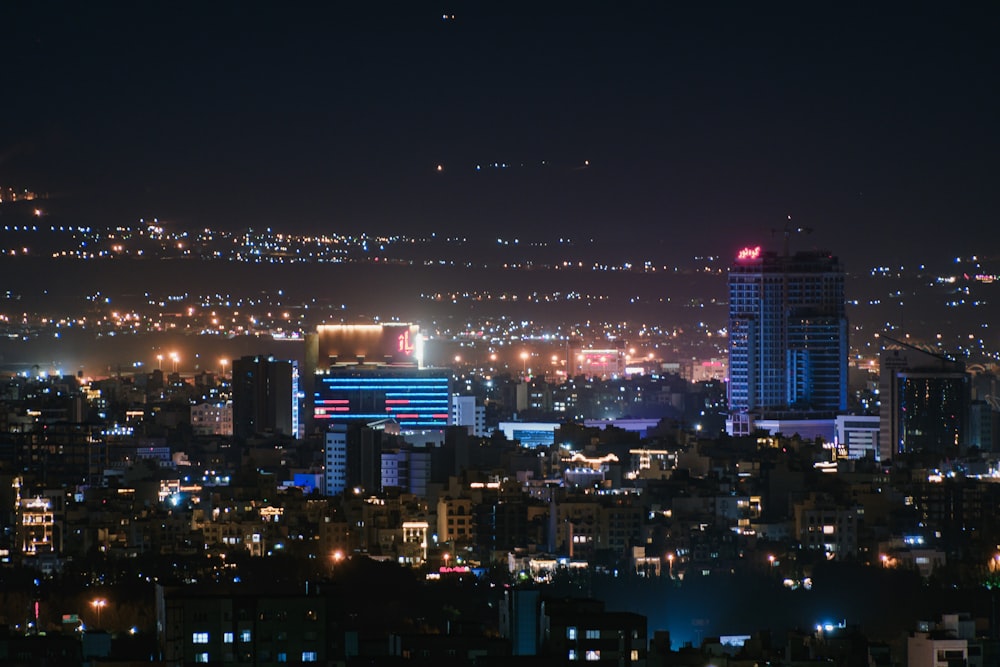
<point>245,636</point>
<point>201,657</point>
<point>634,655</point>
<point>227,638</point>
<point>308,656</point>
<point>571,633</point>
<point>593,634</point>
<point>593,655</point>
<point>572,654</point>
<point>199,638</point>
<point>282,657</point>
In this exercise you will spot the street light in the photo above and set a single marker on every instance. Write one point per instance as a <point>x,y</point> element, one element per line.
<point>175,359</point>
<point>159,362</point>
<point>524,363</point>
<point>99,604</point>
<point>670,564</point>
<point>223,362</point>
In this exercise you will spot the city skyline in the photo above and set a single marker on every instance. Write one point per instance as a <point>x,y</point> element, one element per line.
<point>451,333</point>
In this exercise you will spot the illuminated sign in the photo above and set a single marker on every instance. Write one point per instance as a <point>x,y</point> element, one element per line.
<point>370,344</point>
<point>748,254</point>
<point>405,345</point>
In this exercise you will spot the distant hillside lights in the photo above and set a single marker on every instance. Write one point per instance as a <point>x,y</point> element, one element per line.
<point>10,195</point>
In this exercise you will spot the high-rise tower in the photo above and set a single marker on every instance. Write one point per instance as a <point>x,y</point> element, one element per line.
<point>787,336</point>
<point>924,401</point>
<point>265,397</point>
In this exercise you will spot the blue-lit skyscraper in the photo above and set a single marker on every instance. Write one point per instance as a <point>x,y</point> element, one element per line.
<point>787,336</point>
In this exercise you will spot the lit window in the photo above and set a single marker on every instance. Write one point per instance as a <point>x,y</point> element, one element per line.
<point>308,656</point>
<point>282,657</point>
<point>199,638</point>
<point>593,634</point>
<point>593,655</point>
<point>572,654</point>
<point>634,655</point>
<point>245,636</point>
<point>227,637</point>
<point>571,633</point>
<point>201,657</point>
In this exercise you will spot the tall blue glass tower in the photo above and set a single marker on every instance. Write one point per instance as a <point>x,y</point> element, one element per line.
<point>787,335</point>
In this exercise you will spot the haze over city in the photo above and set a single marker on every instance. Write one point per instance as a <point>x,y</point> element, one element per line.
<point>698,129</point>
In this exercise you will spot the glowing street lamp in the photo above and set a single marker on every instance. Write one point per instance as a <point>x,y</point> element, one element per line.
<point>99,604</point>
<point>223,362</point>
<point>175,359</point>
<point>159,362</point>
<point>670,564</point>
<point>337,557</point>
<point>524,363</point>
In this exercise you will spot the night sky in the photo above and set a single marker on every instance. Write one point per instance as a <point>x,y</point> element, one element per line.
<point>704,124</point>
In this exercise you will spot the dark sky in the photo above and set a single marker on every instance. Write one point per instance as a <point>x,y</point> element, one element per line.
<point>704,124</point>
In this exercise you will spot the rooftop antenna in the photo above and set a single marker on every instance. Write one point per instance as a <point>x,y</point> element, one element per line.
<point>788,230</point>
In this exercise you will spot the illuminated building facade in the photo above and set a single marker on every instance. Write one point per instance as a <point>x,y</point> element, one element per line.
<point>373,345</point>
<point>372,372</point>
<point>605,363</point>
<point>36,527</point>
<point>932,411</point>
<point>787,335</point>
<point>581,629</point>
<point>419,400</point>
<point>354,454</point>
<point>212,419</point>
<point>465,412</point>
<point>407,468</point>
<point>924,403</point>
<point>456,520</point>
<point>857,436</point>
<point>822,525</point>
<point>217,625</point>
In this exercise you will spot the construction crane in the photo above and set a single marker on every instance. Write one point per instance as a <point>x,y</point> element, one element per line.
<point>937,355</point>
<point>788,230</point>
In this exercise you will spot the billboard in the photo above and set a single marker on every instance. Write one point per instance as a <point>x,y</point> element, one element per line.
<point>370,344</point>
